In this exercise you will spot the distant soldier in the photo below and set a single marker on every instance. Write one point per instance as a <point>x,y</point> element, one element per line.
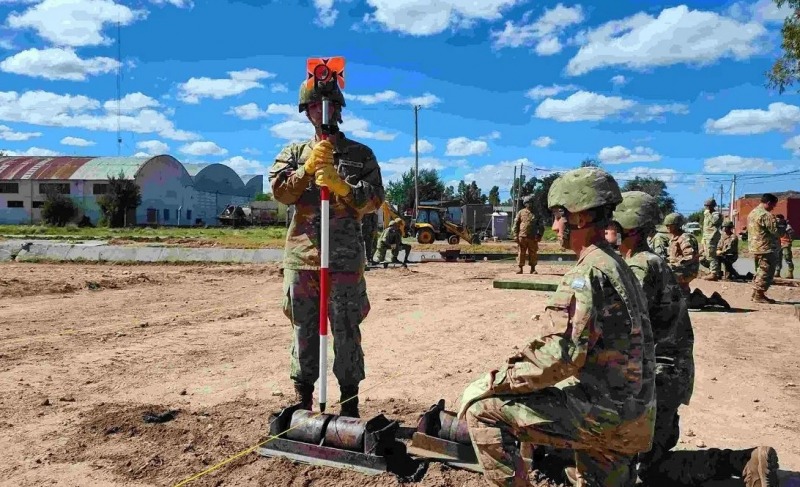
<point>728,251</point>
<point>762,240</point>
<point>588,387</point>
<point>712,221</point>
<point>683,256</point>
<point>369,226</point>
<point>351,172</point>
<point>675,369</point>
<point>528,230</point>
<point>392,239</point>
<point>785,237</point>
<point>659,242</point>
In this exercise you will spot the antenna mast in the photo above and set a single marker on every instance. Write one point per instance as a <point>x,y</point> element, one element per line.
<point>119,88</point>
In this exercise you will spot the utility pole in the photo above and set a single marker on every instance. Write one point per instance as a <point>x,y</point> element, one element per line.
<point>513,195</point>
<point>416,159</point>
<point>119,88</point>
<point>721,201</point>
<point>733,200</point>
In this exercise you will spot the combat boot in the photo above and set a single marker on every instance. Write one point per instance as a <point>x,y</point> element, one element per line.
<point>761,470</point>
<point>520,270</point>
<point>533,269</point>
<point>349,401</point>
<point>761,297</point>
<point>304,395</point>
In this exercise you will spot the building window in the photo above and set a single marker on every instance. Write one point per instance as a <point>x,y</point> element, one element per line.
<point>15,204</point>
<point>38,204</point>
<point>100,188</point>
<point>62,188</point>
<point>9,188</point>
<point>189,215</point>
<point>166,214</point>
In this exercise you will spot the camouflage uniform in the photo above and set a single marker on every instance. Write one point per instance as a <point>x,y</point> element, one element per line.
<point>369,227</point>
<point>349,305</point>
<point>785,237</point>
<point>728,253</point>
<point>391,239</point>
<point>659,243</point>
<point>528,230</point>
<point>590,386</point>
<point>712,221</point>
<point>684,260</point>
<point>762,234</point>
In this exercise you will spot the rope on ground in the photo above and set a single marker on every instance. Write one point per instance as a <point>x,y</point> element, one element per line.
<point>259,445</point>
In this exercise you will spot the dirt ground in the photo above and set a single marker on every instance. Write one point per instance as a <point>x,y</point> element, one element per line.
<point>86,350</point>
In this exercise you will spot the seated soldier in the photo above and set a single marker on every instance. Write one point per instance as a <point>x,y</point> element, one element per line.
<point>728,251</point>
<point>391,238</point>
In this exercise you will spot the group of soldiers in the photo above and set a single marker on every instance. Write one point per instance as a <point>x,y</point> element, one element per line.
<point>605,386</point>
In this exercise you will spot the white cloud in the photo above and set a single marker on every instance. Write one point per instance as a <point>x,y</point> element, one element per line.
<point>251,151</point>
<point>295,128</point>
<point>244,166</point>
<point>56,64</point>
<point>543,34</point>
<point>132,102</point>
<point>582,106</point>
<point>622,155</point>
<point>388,96</point>
<point>424,147</point>
<point>195,89</point>
<point>763,11</point>
<point>499,174</point>
<point>279,88</point>
<point>793,145</point>
<point>462,146</point>
<point>153,147</point>
<point>250,111</point>
<point>543,141</point>
<point>392,169</point>
<point>6,133</point>
<point>493,135</point>
<point>359,127</point>
<point>78,111</point>
<point>175,3</point>
<point>203,148</point>
<point>74,23</point>
<point>77,142</point>
<point>619,80</point>
<point>141,154</point>
<point>677,35</point>
<point>588,106</point>
<point>326,14</point>
<point>778,117</point>
<point>425,17</point>
<point>540,91</point>
<point>664,174</point>
<point>33,152</point>
<point>737,164</point>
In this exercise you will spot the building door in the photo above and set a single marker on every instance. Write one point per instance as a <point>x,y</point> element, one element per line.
<point>152,215</point>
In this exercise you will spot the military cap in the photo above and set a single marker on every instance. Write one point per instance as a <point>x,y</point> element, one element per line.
<point>637,210</point>
<point>674,219</point>
<point>583,189</point>
<point>727,224</point>
<point>710,202</point>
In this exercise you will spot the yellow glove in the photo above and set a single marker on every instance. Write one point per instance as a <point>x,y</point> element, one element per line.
<point>327,176</point>
<point>321,155</point>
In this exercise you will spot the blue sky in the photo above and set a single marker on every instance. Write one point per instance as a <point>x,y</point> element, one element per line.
<point>673,90</point>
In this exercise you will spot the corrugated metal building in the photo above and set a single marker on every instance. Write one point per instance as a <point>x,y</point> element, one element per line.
<point>171,194</point>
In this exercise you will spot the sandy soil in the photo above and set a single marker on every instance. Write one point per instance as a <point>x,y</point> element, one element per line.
<point>86,349</point>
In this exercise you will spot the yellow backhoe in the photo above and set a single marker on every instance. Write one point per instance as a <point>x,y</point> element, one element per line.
<point>389,214</point>
<point>432,224</point>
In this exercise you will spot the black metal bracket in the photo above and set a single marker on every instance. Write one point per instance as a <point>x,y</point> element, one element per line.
<point>433,440</point>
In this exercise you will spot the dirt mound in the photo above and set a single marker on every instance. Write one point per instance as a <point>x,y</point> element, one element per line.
<point>38,285</point>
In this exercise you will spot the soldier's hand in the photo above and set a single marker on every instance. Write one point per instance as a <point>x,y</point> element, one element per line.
<point>327,176</point>
<point>321,155</point>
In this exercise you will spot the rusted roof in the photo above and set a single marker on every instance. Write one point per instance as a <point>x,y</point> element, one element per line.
<point>67,168</point>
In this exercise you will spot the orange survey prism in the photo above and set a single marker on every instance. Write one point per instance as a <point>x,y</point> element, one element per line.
<point>322,69</point>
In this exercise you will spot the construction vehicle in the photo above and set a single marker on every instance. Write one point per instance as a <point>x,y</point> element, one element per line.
<point>389,214</point>
<point>433,224</point>
<point>247,215</point>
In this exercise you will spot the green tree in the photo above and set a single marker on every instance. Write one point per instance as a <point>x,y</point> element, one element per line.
<point>263,197</point>
<point>697,216</point>
<point>58,209</point>
<point>494,196</point>
<point>470,194</point>
<point>655,188</point>
<point>401,193</point>
<point>122,194</point>
<point>449,193</point>
<point>786,69</point>
<point>540,196</point>
<point>590,163</point>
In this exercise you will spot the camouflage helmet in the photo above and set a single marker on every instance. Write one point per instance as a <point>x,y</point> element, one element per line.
<point>727,224</point>
<point>583,189</point>
<point>710,202</point>
<point>661,229</point>
<point>674,219</point>
<point>637,210</point>
<point>308,95</point>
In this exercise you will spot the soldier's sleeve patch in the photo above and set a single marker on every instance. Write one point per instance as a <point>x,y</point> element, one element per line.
<point>578,283</point>
<point>347,162</point>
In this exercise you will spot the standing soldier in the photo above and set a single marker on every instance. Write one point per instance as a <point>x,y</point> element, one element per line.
<point>684,259</point>
<point>762,240</point>
<point>674,343</point>
<point>712,221</point>
<point>352,173</point>
<point>369,226</point>
<point>659,242</point>
<point>590,387</point>
<point>528,230</point>
<point>728,251</point>
<point>785,237</point>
